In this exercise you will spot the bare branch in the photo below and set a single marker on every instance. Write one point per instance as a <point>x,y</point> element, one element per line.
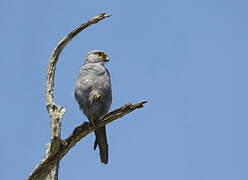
<point>55,111</point>
<point>57,148</point>
<point>50,161</point>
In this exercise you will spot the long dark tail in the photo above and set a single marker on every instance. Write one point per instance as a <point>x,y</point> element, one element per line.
<point>101,141</point>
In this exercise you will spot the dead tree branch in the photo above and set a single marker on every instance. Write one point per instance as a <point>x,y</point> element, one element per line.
<point>57,149</point>
<point>50,161</point>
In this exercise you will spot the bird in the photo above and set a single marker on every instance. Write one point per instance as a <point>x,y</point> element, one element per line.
<point>94,95</point>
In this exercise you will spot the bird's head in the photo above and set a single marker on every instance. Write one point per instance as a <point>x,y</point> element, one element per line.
<point>96,56</point>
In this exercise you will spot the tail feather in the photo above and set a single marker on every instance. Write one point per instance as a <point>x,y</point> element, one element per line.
<point>95,144</point>
<point>101,141</point>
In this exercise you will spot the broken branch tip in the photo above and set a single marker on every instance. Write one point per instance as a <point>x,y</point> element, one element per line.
<point>105,14</point>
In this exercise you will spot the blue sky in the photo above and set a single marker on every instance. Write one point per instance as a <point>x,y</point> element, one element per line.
<point>187,58</point>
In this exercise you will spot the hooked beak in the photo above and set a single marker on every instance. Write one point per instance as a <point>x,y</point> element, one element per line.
<point>106,59</point>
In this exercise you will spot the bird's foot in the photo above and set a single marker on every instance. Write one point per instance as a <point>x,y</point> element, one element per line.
<point>92,121</point>
<point>96,96</point>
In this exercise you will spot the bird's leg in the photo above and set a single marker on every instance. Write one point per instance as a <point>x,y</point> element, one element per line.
<point>96,96</point>
<point>92,120</point>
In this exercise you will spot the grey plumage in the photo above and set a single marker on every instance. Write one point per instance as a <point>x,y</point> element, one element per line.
<point>94,95</point>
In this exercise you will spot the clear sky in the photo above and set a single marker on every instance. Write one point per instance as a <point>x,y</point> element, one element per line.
<point>187,58</point>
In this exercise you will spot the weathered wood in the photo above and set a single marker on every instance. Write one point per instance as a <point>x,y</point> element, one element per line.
<point>58,148</point>
<point>55,111</point>
<point>50,161</point>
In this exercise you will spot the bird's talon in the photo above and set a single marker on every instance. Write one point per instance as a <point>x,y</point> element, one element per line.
<point>92,120</point>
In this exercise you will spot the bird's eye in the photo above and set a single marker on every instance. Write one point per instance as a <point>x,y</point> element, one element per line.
<point>99,54</point>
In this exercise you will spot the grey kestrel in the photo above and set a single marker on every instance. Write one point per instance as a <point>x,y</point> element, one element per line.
<point>94,95</point>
